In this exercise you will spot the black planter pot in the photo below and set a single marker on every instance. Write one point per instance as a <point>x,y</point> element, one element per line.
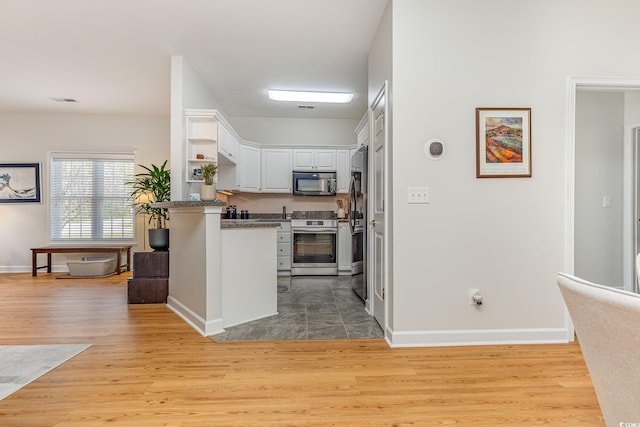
<point>159,239</point>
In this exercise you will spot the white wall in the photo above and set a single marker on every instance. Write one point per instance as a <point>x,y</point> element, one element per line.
<point>629,217</point>
<point>504,236</point>
<point>599,166</point>
<point>187,91</point>
<point>295,131</point>
<point>29,138</point>
<point>381,71</point>
<point>381,55</point>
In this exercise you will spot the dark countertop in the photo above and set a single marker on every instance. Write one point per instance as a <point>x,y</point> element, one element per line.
<point>187,204</point>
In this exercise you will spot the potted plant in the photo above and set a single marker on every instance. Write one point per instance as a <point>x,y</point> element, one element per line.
<point>208,189</point>
<point>149,187</point>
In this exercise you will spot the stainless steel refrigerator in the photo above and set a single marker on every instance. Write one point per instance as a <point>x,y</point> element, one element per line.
<point>358,220</point>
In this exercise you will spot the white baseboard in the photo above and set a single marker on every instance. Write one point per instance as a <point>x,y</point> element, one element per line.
<point>477,337</point>
<point>27,269</point>
<point>205,328</point>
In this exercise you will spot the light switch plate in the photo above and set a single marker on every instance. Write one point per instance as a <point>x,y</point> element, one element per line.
<point>419,195</point>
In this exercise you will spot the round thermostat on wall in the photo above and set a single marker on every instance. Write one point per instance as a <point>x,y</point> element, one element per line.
<point>434,149</point>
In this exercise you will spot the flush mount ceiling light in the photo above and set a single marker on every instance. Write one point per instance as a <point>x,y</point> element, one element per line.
<point>300,96</point>
<point>64,99</point>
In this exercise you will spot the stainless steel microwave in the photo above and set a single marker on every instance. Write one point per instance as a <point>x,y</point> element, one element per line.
<point>314,183</point>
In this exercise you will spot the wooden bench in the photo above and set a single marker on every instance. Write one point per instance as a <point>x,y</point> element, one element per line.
<point>117,249</point>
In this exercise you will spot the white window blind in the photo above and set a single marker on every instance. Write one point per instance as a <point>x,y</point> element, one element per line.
<point>90,196</point>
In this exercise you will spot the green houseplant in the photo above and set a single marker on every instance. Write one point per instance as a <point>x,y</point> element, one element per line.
<point>208,189</point>
<point>151,186</point>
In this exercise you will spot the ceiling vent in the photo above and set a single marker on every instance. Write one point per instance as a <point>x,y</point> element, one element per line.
<point>306,107</point>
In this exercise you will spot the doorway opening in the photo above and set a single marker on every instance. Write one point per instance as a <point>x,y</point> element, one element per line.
<point>625,190</point>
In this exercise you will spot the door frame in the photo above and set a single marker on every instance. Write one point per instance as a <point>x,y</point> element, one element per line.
<point>634,200</point>
<point>383,95</point>
<point>610,84</point>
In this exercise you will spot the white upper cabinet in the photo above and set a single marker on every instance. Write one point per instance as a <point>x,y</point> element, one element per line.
<point>325,160</point>
<point>362,131</point>
<point>249,167</point>
<point>276,170</point>
<point>343,171</point>
<point>309,159</point>
<point>250,173</point>
<point>228,145</point>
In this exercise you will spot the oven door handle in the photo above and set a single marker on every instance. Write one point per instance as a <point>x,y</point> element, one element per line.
<point>309,230</point>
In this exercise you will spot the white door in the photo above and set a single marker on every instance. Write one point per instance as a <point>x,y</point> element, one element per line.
<point>377,244</point>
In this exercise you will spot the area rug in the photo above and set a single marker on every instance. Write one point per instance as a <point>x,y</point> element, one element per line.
<point>21,364</point>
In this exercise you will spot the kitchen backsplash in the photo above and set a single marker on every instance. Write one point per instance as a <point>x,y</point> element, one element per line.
<point>273,203</point>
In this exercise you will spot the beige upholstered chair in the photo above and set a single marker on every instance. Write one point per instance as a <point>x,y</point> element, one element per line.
<point>607,322</point>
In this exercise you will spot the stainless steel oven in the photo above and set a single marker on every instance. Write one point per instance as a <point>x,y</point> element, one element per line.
<point>314,243</point>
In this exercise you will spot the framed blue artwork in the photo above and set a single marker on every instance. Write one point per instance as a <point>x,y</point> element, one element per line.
<point>19,182</point>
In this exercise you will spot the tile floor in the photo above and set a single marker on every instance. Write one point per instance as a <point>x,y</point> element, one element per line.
<point>311,308</point>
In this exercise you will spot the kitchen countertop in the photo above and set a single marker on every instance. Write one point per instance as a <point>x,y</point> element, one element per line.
<point>187,204</point>
<point>258,221</point>
<point>210,286</point>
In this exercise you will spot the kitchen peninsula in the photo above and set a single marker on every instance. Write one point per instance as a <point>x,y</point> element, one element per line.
<point>220,274</point>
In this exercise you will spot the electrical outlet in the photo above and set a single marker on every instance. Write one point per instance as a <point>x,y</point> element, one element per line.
<point>259,207</point>
<point>472,293</point>
<point>418,195</point>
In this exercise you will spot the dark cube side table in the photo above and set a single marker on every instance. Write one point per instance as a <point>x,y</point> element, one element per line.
<point>150,281</point>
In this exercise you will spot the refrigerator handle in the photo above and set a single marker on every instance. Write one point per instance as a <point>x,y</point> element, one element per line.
<point>352,205</point>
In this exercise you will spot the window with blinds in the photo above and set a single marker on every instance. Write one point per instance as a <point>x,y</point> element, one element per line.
<point>90,196</point>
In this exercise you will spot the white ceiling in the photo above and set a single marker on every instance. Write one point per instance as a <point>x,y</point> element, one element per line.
<point>113,56</point>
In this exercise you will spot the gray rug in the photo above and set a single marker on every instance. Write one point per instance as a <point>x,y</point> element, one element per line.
<point>21,364</point>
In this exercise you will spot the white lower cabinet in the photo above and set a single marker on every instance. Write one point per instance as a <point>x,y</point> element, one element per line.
<point>344,248</point>
<point>284,248</point>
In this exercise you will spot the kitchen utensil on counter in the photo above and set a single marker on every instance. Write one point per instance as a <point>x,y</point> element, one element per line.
<point>232,212</point>
<point>341,204</point>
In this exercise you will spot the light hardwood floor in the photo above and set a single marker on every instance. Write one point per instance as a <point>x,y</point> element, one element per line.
<point>146,367</point>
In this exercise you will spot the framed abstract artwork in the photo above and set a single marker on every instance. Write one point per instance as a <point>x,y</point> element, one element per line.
<point>503,142</point>
<point>19,182</point>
